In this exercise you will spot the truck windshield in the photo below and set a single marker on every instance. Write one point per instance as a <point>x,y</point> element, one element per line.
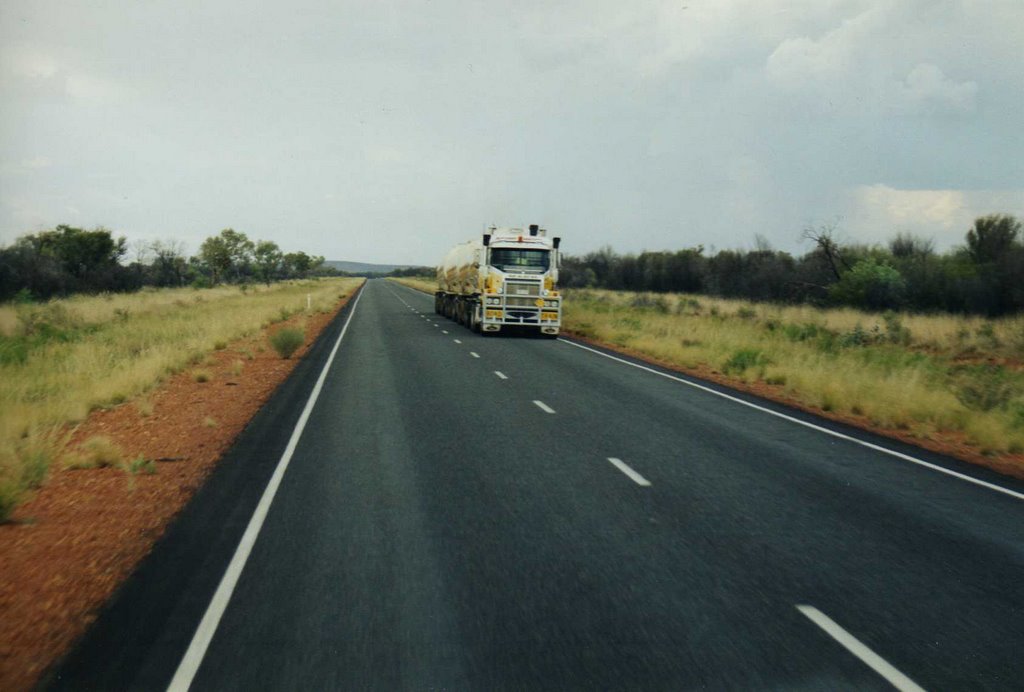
<point>509,260</point>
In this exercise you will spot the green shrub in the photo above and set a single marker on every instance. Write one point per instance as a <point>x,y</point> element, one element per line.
<point>35,460</point>
<point>856,337</point>
<point>651,302</point>
<point>141,465</point>
<point>987,333</point>
<point>286,341</point>
<point>743,359</point>
<point>869,285</point>
<point>10,494</point>
<point>13,350</point>
<point>802,332</point>
<point>895,332</point>
<point>689,306</point>
<point>630,324</point>
<point>984,387</point>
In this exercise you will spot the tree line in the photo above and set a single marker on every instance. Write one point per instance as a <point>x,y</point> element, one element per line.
<point>67,260</point>
<point>983,276</point>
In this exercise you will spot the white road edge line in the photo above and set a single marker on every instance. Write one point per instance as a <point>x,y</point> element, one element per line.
<point>860,650</point>
<point>543,407</point>
<point>806,424</point>
<point>474,354</point>
<point>624,467</point>
<point>193,657</point>
<point>501,375</point>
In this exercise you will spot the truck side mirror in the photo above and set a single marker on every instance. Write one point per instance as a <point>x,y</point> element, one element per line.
<point>487,239</point>
<point>556,242</point>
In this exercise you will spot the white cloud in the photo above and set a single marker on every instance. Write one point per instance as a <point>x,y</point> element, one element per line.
<point>30,63</point>
<point>940,208</point>
<point>866,61</point>
<point>41,69</point>
<point>23,166</point>
<point>90,88</point>
<point>799,60</point>
<point>877,212</point>
<point>927,85</point>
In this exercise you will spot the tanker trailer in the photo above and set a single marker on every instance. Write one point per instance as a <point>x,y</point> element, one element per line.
<point>506,279</point>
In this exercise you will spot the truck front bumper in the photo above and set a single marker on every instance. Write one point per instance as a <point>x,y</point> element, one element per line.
<point>501,311</point>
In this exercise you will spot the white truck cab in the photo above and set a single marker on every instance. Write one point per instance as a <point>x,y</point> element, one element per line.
<point>508,278</point>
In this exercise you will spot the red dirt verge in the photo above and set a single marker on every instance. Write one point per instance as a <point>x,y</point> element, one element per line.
<point>68,548</point>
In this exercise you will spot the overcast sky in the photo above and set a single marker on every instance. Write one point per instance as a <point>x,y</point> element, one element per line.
<point>386,131</point>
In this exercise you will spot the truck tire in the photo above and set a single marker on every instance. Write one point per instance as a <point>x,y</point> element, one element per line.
<point>474,318</point>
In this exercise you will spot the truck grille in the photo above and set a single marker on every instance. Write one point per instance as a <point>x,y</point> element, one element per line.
<point>522,317</point>
<point>515,301</point>
<point>522,288</point>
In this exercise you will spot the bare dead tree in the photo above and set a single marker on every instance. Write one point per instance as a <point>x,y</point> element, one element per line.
<point>824,237</point>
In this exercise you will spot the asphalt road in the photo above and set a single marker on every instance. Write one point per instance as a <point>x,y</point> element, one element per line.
<point>451,518</point>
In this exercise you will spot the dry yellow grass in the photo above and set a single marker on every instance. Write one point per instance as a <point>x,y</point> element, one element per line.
<point>88,352</point>
<point>425,285</point>
<point>96,452</point>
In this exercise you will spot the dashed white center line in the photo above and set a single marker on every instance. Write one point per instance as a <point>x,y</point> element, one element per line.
<point>456,341</point>
<point>634,476</point>
<point>474,354</point>
<point>858,649</point>
<point>543,407</point>
<point>436,324</point>
<point>501,375</point>
<point>444,331</point>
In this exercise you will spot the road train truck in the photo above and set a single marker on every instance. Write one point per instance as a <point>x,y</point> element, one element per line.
<point>506,279</point>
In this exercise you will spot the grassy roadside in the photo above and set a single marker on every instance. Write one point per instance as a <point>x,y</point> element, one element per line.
<point>61,359</point>
<point>932,378</point>
<point>425,285</point>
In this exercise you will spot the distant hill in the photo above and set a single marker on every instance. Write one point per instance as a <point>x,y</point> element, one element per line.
<point>364,267</point>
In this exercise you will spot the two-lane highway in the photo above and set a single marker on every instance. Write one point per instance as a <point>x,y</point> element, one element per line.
<point>462,512</point>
